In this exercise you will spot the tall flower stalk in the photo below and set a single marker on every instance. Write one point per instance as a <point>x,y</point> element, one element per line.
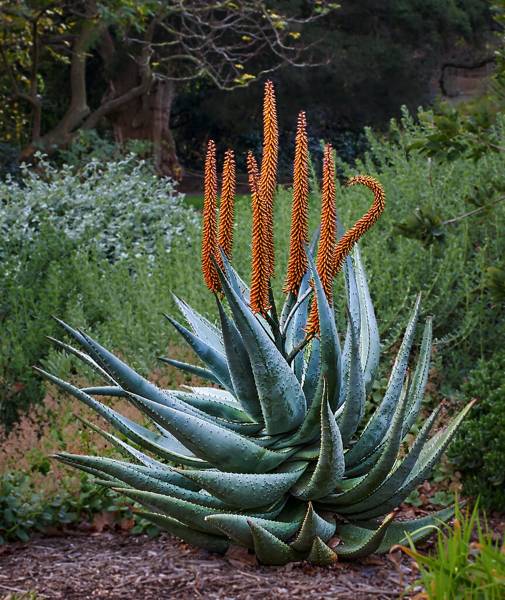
<point>209,233</point>
<point>260,274</point>
<point>326,248</point>
<point>299,237</point>
<point>227,207</point>
<point>268,174</point>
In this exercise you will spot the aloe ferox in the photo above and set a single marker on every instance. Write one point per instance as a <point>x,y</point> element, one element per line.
<point>273,453</point>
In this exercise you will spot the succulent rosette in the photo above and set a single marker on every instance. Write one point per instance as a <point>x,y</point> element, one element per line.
<point>274,453</point>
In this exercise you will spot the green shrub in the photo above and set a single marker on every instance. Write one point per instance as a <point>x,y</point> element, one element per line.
<point>461,567</point>
<point>478,451</point>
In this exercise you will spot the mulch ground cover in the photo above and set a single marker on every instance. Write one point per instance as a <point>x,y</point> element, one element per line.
<point>121,566</point>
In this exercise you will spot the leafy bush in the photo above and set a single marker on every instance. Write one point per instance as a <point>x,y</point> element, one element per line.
<point>24,509</point>
<point>120,209</point>
<point>460,567</point>
<point>479,449</point>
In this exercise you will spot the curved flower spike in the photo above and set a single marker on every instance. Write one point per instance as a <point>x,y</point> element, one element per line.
<point>361,226</point>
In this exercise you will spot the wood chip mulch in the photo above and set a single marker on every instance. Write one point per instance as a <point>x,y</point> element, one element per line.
<point>120,566</point>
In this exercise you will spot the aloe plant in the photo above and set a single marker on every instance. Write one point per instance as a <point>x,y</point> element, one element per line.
<point>273,454</point>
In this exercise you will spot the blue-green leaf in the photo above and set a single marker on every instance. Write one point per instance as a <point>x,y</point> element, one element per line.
<point>281,397</point>
<point>214,360</point>
<point>380,421</point>
<point>240,368</point>
<point>222,447</point>
<point>245,490</point>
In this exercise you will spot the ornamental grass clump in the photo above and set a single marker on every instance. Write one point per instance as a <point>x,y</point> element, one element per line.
<point>272,453</point>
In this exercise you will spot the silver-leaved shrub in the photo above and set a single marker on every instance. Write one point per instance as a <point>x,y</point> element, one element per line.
<point>120,209</point>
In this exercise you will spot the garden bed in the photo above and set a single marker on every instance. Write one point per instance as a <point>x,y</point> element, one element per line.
<point>121,566</point>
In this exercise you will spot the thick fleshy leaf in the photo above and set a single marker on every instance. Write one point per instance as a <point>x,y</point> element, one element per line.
<point>330,465</point>
<point>289,302</point>
<point>239,367</point>
<point>222,447</point>
<point>369,331</point>
<point>291,299</point>
<point>329,342</point>
<point>202,327</point>
<point>245,490</point>
<point>364,467</point>
<point>140,480</point>
<point>351,288</point>
<point>420,379</point>
<point>123,375</point>
<point>295,331</point>
<point>380,470</point>
<point>269,549</point>
<point>380,421</point>
<point>182,510</point>
<point>208,541</point>
<point>103,478</point>
<point>313,526</point>
<point>168,448</point>
<point>422,468</point>
<point>354,393</point>
<point>214,360</point>
<point>236,527</point>
<point>417,529</point>
<point>125,448</point>
<point>358,542</point>
<point>281,397</point>
<point>106,390</point>
<point>234,279</point>
<point>119,469</point>
<point>396,479</point>
<point>82,356</point>
<point>321,554</point>
<point>213,406</point>
<point>312,371</point>
<point>193,369</point>
<point>214,393</point>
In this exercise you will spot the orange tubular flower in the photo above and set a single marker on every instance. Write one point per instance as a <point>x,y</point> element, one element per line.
<point>297,263</point>
<point>259,271</point>
<point>326,248</point>
<point>226,208</point>
<point>209,234</point>
<point>346,243</point>
<point>268,177</point>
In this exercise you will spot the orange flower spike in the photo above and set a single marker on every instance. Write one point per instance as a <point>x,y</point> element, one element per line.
<point>259,299</point>
<point>209,234</point>
<point>268,176</point>
<point>297,263</point>
<point>346,243</point>
<point>226,208</point>
<point>326,248</point>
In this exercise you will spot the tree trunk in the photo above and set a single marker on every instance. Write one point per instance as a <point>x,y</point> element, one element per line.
<point>147,117</point>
